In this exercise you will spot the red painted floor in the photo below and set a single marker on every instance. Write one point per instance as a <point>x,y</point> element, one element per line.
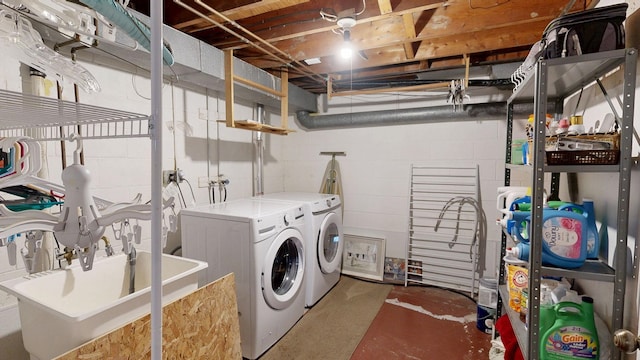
<point>419,322</point>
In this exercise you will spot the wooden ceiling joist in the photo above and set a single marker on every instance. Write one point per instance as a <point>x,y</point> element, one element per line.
<point>410,31</point>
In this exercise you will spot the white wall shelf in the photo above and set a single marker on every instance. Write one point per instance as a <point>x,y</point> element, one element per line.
<point>43,119</point>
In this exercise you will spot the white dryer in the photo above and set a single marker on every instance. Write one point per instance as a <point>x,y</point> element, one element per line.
<point>324,240</point>
<point>262,243</point>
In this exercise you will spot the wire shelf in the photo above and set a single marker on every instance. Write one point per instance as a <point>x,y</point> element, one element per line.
<point>44,119</point>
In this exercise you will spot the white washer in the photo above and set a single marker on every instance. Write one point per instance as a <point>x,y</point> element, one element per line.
<point>324,240</point>
<point>262,243</point>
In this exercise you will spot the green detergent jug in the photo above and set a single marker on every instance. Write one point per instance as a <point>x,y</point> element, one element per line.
<point>573,334</point>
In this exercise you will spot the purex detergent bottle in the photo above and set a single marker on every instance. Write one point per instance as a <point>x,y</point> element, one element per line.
<point>573,334</point>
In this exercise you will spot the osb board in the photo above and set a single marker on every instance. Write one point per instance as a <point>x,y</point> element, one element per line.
<point>201,325</point>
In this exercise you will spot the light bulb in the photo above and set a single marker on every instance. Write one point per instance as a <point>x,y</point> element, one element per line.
<point>346,51</point>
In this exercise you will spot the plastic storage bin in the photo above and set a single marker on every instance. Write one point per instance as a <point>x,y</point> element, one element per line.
<point>488,293</point>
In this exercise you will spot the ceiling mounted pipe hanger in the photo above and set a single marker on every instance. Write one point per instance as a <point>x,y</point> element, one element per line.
<point>302,67</point>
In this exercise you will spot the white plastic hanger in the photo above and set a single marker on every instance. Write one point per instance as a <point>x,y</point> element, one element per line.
<point>80,224</point>
<point>19,40</point>
<point>70,18</point>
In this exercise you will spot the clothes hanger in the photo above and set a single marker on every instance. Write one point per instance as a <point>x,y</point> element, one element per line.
<point>80,224</point>
<point>20,40</point>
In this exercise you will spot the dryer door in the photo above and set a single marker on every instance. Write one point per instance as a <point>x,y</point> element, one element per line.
<point>284,269</point>
<point>330,243</point>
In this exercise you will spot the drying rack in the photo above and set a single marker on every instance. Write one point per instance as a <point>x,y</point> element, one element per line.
<point>442,249</point>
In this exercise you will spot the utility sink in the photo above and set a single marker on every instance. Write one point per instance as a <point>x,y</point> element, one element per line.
<point>62,309</point>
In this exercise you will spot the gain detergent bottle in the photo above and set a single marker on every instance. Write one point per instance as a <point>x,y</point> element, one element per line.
<point>573,334</point>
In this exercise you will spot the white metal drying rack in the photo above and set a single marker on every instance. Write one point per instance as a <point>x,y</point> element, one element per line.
<point>55,119</point>
<point>442,248</point>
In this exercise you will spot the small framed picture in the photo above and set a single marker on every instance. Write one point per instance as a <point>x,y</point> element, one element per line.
<point>394,270</point>
<point>363,256</point>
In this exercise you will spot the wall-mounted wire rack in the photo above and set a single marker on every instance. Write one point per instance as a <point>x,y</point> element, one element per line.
<point>43,119</point>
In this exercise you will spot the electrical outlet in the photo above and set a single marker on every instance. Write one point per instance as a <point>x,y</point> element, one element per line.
<point>202,114</point>
<point>210,115</point>
<point>203,182</point>
<point>167,176</point>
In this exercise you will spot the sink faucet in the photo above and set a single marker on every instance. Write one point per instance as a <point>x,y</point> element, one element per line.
<point>131,257</point>
<point>107,246</point>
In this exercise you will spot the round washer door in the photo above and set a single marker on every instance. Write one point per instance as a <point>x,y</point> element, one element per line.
<point>330,243</point>
<point>284,269</point>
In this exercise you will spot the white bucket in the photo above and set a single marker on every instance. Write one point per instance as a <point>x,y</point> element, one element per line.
<point>488,293</point>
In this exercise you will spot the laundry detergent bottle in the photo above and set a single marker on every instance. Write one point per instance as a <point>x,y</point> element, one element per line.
<point>573,334</point>
<point>521,251</point>
<point>563,238</point>
<point>593,239</point>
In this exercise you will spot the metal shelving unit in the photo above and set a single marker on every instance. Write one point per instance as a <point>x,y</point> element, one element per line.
<point>552,81</point>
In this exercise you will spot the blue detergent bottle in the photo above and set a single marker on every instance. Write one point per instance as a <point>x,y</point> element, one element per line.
<point>563,238</point>
<point>521,251</point>
<point>593,238</point>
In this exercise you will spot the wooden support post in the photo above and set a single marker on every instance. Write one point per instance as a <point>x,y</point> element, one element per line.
<point>466,70</point>
<point>284,98</point>
<point>228,82</point>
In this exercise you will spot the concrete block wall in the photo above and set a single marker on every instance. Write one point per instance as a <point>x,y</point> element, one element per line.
<point>376,169</point>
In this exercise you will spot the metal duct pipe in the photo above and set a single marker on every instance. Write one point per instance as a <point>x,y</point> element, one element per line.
<point>258,186</point>
<point>486,111</point>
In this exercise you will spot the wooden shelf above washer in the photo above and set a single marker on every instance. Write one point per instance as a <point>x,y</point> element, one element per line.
<point>283,94</point>
<point>254,126</point>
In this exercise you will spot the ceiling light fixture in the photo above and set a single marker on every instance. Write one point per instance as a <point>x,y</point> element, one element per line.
<point>346,51</point>
<point>346,20</point>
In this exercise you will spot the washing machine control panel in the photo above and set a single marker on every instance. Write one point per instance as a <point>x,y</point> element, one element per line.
<point>292,216</point>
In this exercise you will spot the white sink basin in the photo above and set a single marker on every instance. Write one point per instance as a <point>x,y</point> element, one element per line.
<point>62,309</point>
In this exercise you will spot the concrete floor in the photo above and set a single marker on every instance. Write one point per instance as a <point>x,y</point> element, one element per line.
<point>424,323</point>
<point>364,320</point>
